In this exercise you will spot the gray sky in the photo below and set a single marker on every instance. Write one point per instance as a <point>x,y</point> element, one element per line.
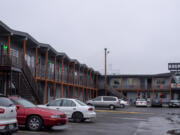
<point>142,35</point>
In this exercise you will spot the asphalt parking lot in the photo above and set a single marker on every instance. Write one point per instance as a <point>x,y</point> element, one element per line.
<point>126,121</point>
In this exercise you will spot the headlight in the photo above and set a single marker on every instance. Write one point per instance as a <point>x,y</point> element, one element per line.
<point>55,116</point>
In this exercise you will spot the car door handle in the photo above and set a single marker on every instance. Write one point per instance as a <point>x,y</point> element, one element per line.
<point>57,108</point>
<point>74,108</point>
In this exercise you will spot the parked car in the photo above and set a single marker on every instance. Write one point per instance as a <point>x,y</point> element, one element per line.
<point>73,108</point>
<point>174,103</point>
<point>105,101</point>
<point>141,102</point>
<point>156,102</point>
<point>34,118</point>
<point>123,103</point>
<point>8,121</point>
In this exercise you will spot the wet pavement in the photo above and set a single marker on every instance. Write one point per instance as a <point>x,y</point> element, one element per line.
<point>127,121</point>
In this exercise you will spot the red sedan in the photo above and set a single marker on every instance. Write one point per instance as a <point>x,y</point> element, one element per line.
<point>34,118</point>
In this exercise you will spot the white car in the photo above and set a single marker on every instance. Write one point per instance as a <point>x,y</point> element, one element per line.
<point>141,102</point>
<point>123,103</point>
<point>73,108</point>
<point>8,121</point>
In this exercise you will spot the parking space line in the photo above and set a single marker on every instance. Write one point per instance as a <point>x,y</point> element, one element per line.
<point>133,119</point>
<point>123,112</point>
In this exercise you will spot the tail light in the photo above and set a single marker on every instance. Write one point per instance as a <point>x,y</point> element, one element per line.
<point>2,126</point>
<point>2,110</point>
<point>90,109</point>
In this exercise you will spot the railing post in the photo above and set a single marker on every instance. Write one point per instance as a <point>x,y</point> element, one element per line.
<point>46,62</point>
<point>54,77</point>
<point>87,85</point>
<point>73,79</point>
<point>9,45</point>
<point>62,76</point>
<point>36,64</point>
<point>153,86</point>
<point>79,81</point>
<point>170,92</point>
<point>24,48</point>
<point>97,85</point>
<point>68,79</point>
<point>83,79</point>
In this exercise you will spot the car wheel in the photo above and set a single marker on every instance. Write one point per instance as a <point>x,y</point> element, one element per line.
<point>111,107</point>
<point>34,123</point>
<point>77,117</point>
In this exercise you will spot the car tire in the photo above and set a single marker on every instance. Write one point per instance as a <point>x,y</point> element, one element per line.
<point>112,107</point>
<point>77,117</point>
<point>34,123</point>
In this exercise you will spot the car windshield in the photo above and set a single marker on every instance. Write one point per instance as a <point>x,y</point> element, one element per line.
<point>25,103</point>
<point>81,103</point>
<point>5,102</point>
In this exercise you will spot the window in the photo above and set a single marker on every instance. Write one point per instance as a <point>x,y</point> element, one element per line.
<point>97,99</point>
<point>176,79</point>
<point>5,102</point>
<point>81,103</point>
<point>131,81</point>
<point>160,81</point>
<point>109,99</point>
<point>68,103</point>
<point>54,103</point>
<point>25,103</point>
<point>51,91</point>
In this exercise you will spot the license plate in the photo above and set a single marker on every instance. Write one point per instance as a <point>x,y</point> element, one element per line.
<point>11,126</point>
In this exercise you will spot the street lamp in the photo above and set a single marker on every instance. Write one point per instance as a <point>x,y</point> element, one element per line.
<point>105,70</point>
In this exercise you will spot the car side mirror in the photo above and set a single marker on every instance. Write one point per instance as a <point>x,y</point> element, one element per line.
<point>18,107</point>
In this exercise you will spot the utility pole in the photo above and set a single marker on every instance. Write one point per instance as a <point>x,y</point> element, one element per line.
<point>105,70</point>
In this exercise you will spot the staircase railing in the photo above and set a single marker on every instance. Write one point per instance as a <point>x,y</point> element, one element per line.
<point>19,62</point>
<point>27,72</point>
<point>114,91</point>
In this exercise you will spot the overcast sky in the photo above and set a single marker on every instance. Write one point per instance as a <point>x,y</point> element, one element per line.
<point>141,35</point>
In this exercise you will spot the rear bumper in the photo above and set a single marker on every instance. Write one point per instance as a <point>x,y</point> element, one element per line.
<point>9,130</point>
<point>90,115</point>
<point>141,105</point>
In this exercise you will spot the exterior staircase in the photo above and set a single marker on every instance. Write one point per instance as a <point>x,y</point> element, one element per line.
<point>113,91</point>
<point>22,78</point>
